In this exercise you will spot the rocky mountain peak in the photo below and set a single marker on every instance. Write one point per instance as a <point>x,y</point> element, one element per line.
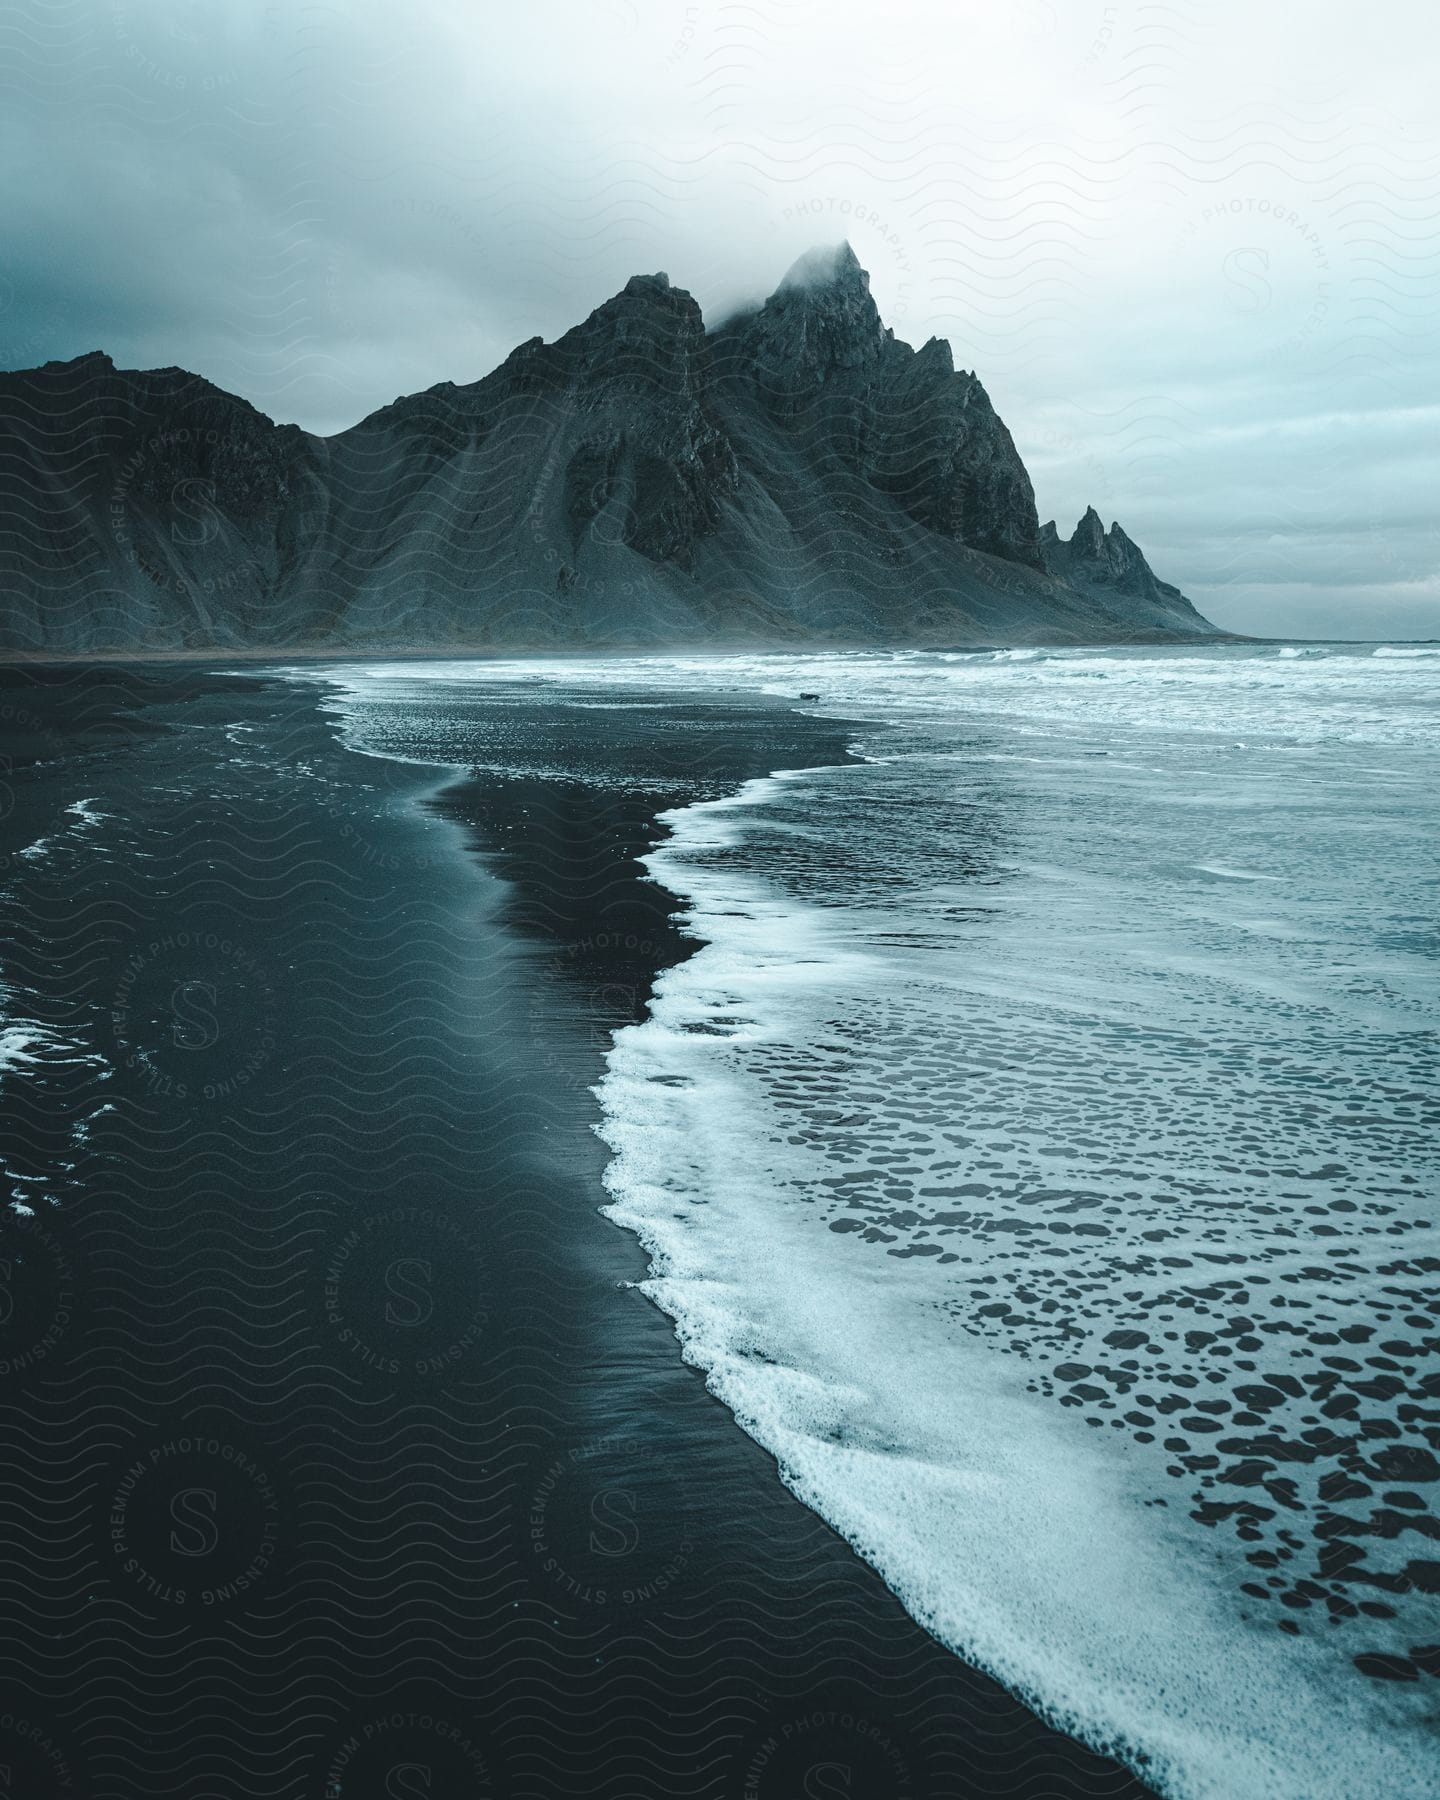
<point>1109,552</point>
<point>643,297</point>
<point>827,267</point>
<point>647,285</point>
<point>827,290</point>
<point>935,356</point>
<point>1110,563</point>
<point>648,321</point>
<point>819,323</point>
<point>90,362</point>
<point>1089,534</point>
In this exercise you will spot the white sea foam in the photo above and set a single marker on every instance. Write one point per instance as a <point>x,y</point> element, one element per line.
<point>1050,1553</point>
<point>1024,1546</point>
<point>21,1046</point>
<point>1234,874</point>
<point>25,1045</point>
<point>83,812</point>
<point>32,1053</point>
<point>1342,693</point>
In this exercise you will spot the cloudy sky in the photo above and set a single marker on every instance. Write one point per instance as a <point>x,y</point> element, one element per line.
<point>1193,254</point>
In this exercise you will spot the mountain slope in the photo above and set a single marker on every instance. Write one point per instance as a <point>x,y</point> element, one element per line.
<point>798,474</point>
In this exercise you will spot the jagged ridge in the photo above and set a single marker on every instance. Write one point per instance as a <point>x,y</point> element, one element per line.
<point>797,474</point>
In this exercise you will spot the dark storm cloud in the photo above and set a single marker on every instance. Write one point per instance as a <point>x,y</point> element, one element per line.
<point>1201,300</point>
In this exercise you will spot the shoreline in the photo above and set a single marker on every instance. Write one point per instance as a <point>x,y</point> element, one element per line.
<point>278,655</point>
<point>625,959</point>
<point>375,1273</point>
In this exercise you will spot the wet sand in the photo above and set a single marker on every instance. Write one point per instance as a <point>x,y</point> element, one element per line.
<point>346,1461</point>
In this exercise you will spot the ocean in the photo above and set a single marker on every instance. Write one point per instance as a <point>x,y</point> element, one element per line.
<point>1038,1156</point>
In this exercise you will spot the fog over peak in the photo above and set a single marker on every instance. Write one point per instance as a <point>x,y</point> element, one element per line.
<point>1189,253</point>
<point>824,266</point>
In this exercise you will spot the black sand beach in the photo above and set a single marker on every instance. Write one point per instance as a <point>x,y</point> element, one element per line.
<point>342,1458</point>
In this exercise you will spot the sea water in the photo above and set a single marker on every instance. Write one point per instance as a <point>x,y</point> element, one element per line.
<point>1038,1155</point>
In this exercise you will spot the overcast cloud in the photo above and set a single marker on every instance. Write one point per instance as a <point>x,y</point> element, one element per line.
<point>1194,255</point>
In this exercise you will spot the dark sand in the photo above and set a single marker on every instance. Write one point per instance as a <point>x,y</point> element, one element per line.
<point>341,1458</point>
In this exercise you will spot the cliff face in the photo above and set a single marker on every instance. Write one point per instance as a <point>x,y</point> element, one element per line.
<point>817,360</point>
<point>652,461</point>
<point>797,475</point>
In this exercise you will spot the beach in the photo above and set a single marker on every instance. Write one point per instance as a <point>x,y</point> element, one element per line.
<point>348,1456</point>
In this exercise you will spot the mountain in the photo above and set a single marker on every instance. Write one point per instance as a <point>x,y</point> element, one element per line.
<point>796,474</point>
